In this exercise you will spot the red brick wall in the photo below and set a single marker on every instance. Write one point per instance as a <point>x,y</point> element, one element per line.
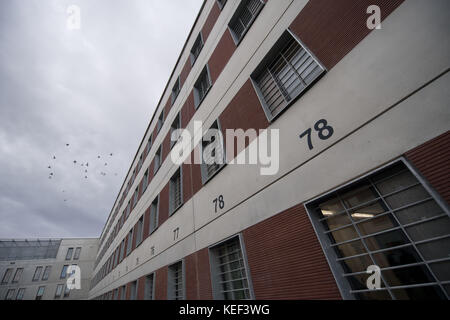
<point>432,160</point>
<point>141,288</point>
<point>210,21</point>
<point>188,110</point>
<point>222,53</point>
<point>331,29</point>
<point>198,280</point>
<point>164,204</point>
<point>286,260</point>
<point>161,284</point>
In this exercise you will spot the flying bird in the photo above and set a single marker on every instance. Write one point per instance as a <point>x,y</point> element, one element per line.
<point>98,157</point>
<point>54,157</point>
<point>106,164</point>
<point>110,154</point>
<point>67,144</point>
<point>49,167</point>
<point>74,161</point>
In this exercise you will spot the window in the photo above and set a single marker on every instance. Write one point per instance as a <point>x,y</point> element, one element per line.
<point>7,275</point>
<point>123,292</point>
<point>175,285</point>
<point>242,19</point>
<point>46,272</point>
<point>77,253</point>
<point>128,208</point>
<point>160,121</point>
<point>230,275</point>
<point>64,272</point>
<point>20,294</point>
<point>157,160</point>
<point>129,241</point>
<point>175,192</point>
<point>213,141</point>
<point>40,293</point>
<point>175,91</point>
<point>69,254</point>
<point>136,196</point>
<point>133,290</point>
<point>116,294</point>
<point>145,182</point>
<point>149,291</point>
<point>17,275</point>
<point>141,158</point>
<point>202,86</point>
<point>389,219</point>
<point>285,73</point>
<point>221,3</point>
<point>174,135</point>
<point>196,48</point>
<point>37,273</point>
<point>149,144</point>
<point>66,291</point>
<point>10,294</point>
<point>59,289</point>
<point>122,250</point>
<point>154,208</point>
<point>139,230</point>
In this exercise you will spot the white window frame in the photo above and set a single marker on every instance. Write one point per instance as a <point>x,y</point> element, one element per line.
<point>172,206</point>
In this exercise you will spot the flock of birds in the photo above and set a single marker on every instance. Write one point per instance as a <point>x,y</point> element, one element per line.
<point>84,165</point>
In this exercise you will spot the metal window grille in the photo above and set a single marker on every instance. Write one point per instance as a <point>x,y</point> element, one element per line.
<point>28,249</point>
<point>69,253</point>
<point>154,215</point>
<point>37,273</point>
<point>391,220</point>
<point>210,165</point>
<point>230,274</point>
<point>149,287</point>
<point>196,48</point>
<point>176,198</point>
<point>77,253</point>
<point>202,86</point>
<point>46,272</point>
<point>285,74</point>
<point>243,18</point>
<point>175,91</point>
<point>176,285</point>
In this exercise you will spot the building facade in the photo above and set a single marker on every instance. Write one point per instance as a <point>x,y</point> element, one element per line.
<point>38,269</point>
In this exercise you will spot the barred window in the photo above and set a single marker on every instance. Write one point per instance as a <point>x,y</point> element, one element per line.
<point>77,253</point>
<point>176,282</point>
<point>47,271</point>
<point>139,231</point>
<point>133,290</point>
<point>157,159</point>
<point>216,159</point>
<point>285,73</point>
<point>230,281</point>
<point>149,292</point>
<point>196,48</point>
<point>175,91</point>
<point>154,215</point>
<point>176,196</point>
<point>391,220</point>
<point>202,86</point>
<point>242,19</point>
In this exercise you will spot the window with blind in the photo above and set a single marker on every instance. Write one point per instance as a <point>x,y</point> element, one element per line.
<point>285,73</point>
<point>230,280</point>
<point>202,86</point>
<point>157,160</point>
<point>176,195</point>
<point>196,48</point>
<point>175,90</point>
<point>213,161</point>
<point>175,285</point>
<point>174,135</point>
<point>129,241</point>
<point>139,230</point>
<point>154,215</point>
<point>391,220</point>
<point>149,291</point>
<point>242,19</point>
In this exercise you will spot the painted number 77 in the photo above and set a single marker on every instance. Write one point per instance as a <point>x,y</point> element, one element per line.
<point>324,131</point>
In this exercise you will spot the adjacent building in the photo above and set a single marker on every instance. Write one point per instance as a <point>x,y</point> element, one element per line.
<point>38,269</point>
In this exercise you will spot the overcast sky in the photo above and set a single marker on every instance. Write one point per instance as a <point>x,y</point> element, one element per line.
<point>95,89</point>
